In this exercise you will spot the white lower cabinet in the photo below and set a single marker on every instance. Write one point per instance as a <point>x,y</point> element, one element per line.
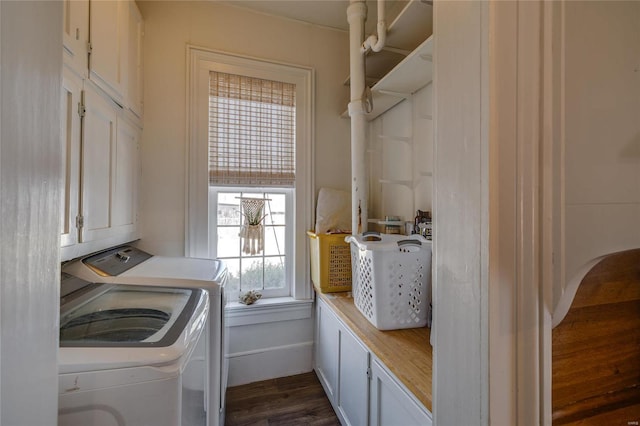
<point>353,382</point>
<point>360,387</point>
<point>391,405</point>
<point>326,357</point>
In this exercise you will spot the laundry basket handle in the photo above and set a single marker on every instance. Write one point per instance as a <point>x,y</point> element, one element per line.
<point>409,242</point>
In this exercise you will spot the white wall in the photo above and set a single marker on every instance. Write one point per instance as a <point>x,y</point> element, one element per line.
<point>270,345</point>
<point>169,27</point>
<point>401,160</point>
<point>460,200</point>
<point>31,194</point>
<point>283,346</point>
<point>601,141</point>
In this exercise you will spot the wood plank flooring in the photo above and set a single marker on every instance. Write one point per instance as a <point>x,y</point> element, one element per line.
<point>295,400</point>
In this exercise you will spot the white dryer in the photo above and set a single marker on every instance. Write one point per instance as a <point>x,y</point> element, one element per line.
<point>126,354</point>
<point>130,265</point>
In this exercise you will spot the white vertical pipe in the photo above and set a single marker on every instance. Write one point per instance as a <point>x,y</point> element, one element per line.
<point>377,42</point>
<point>356,15</point>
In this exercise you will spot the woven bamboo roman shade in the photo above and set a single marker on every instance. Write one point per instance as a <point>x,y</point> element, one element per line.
<point>251,131</point>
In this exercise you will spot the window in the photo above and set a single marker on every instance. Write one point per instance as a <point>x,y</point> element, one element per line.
<point>252,121</point>
<point>268,270</point>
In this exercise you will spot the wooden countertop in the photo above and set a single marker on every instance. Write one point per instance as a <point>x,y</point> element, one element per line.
<point>406,353</point>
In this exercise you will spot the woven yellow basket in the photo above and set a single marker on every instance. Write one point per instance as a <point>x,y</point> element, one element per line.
<point>330,262</point>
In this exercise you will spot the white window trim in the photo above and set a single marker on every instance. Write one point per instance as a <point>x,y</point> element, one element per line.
<point>199,62</point>
<point>274,309</point>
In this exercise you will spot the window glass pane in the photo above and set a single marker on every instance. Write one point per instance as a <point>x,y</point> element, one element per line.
<point>228,209</point>
<point>253,194</point>
<point>228,241</point>
<point>265,270</point>
<point>274,276</point>
<point>233,285</point>
<point>252,271</point>
<point>276,209</point>
<point>274,243</point>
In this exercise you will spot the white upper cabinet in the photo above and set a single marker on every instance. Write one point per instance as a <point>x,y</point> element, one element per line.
<point>103,165</point>
<point>124,207</point>
<point>134,63</point>
<point>75,34</point>
<point>108,28</point>
<point>98,166</point>
<point>103,42</point>
<point>101,122</point>
<point>70,141</point>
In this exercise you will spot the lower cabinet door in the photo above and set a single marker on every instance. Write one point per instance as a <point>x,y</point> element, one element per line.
<point>391,405</point>
<point>353,390</point>
<point>327,346</point>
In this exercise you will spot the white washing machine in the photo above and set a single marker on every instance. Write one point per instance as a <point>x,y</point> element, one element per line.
<point>126,354</point>
<point>130,265</point>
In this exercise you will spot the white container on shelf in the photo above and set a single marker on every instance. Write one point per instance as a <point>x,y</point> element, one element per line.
<point>391,282</point>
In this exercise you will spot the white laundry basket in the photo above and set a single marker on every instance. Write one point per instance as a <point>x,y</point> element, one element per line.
<point>391,279</point>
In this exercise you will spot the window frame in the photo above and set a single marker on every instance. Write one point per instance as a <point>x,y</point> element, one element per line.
<point>289,253</point>
<point>197,219</point>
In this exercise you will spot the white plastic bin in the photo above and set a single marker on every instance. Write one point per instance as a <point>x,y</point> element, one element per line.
<point>391,279</point>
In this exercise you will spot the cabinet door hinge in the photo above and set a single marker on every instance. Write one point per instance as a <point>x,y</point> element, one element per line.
<point>79,221</point>
<point>369,373</point>
<point>81,109</point>
<point>89,48</point>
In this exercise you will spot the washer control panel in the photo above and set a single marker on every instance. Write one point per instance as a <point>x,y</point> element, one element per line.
<point>115,261</point>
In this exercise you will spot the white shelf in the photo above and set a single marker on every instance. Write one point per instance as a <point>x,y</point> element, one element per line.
<point>406,78</point>
<point>405,53</point>
<point>411,27</point>
<point>387,222</point>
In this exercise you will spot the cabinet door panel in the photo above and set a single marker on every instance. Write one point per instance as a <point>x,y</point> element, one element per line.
<point>353,393</point>
<point>70,141</point>
<point>391,405</point>
<point>134,65</point>
<point>97,165</point>
<point>75,34</point>
<point>124,206</point>
<point>107,31</point>
<point>327,349</point>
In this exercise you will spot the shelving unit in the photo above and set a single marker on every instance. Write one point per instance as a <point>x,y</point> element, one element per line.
<point>397,76</point>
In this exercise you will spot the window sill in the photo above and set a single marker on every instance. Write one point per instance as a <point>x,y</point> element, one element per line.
<point>268,310</point>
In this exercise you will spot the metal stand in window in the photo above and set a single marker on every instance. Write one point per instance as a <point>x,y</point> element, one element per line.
<point>252,230</point>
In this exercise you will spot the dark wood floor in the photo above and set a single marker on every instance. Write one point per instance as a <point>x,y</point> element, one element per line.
<point>295,400</point>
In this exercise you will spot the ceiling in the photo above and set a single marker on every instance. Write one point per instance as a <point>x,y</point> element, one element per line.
<point>327,13</point>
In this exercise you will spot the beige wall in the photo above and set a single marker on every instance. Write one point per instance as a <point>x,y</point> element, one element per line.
<point>169,27</point>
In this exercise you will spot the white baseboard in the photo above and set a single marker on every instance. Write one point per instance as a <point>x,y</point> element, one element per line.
<point>270,363</point>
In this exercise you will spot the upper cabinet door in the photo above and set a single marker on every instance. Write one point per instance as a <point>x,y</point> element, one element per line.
<point>70,141</point>
<point>98,165</point>
<point>125,187</point>
<point>109,27</point>
<point>134,65</point>
<point>75,35</point>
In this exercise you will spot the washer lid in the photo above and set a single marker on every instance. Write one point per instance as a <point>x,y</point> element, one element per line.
<point>114,326</point>
<point>113,315</point>
<point>207,270</point>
